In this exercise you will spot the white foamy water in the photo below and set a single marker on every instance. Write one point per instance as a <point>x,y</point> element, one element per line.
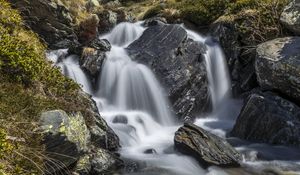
<point>134,104</point>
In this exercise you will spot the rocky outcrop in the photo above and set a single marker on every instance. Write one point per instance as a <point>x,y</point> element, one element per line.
<point>92,57</point>
<point>205,147</point>
<point>66,137</point>
<point>290,17</point>
<point>268,118</point>
<point>178,62</point>
<point>278,66</point>
<point>80,143</point>
<point>101,134</point>
<point>50,19</point>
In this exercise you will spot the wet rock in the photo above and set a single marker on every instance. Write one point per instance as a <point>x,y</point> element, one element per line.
<point>51,20</point>
<point>88,29</point>
<point>91,61</point>
<point>120,119</point>
<point>278,66</point>
<point>150,151</point>
<point>66,138</point>
<point>290,17</point>
<point>268,118</point>
<point>206,148</point>
<point>178,64</point>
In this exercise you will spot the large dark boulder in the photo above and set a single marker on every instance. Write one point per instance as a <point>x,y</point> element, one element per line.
<point>178,62</point>
<point>290,17</point>
<point>278,66</point>
<point>205,147</point>
<point>50,19</point>
<point>269,118</point>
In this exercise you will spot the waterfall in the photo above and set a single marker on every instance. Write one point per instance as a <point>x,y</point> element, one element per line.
<point>217,71</point>
<point>134,104</point>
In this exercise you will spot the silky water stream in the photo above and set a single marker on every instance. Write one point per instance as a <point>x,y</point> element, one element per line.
<point>132,101</point>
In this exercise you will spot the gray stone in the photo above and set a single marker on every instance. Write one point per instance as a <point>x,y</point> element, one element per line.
<point>179,65</point>
<point>206,148</point>
<point>66,137</point>
<point>278,66</point>
<point>269,118</point>
<point>290,17</point>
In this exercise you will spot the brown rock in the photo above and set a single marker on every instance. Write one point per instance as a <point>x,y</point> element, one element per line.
<point>88,29</point>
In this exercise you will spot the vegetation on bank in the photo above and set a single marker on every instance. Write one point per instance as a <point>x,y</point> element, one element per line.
<point>29,85</point>
<point>257,20</point>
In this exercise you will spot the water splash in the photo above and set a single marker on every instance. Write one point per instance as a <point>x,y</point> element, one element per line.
<point>124,33</point>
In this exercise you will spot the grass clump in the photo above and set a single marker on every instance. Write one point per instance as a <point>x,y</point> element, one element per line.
<point>258,20</point>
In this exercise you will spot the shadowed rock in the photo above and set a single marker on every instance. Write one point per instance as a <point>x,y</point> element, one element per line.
<point>178,62</point>
<point>269,118</point>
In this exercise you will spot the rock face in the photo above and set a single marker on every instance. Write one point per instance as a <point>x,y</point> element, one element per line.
<point>205,147</point>
<point>278,66</point>
<point>290,17</point>
<point>179,65</point>
<point>269,118</point>
<point>50,19</point>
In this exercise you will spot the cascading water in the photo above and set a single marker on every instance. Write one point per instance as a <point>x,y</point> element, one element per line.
<point>217,73</point>
<point>133,103</point>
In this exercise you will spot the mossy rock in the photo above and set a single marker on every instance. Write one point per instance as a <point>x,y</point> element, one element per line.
<point>66,137</point>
